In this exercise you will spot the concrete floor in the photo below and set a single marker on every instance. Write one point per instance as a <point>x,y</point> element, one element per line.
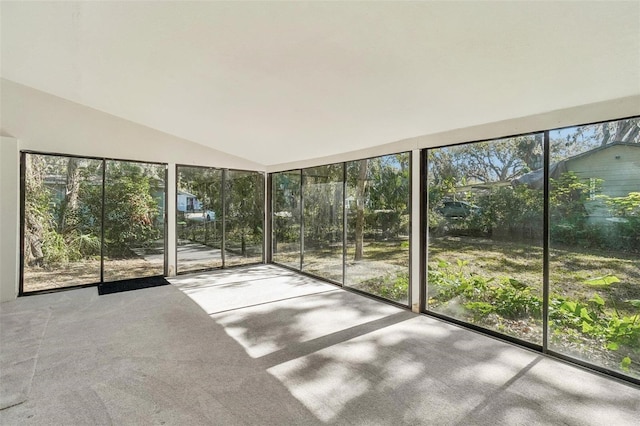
<point>265,346</point>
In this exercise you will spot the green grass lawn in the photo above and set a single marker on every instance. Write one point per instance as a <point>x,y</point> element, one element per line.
<point>569,268</point>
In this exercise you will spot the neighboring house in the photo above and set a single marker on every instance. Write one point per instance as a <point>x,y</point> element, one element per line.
<point>187,202</point>
<point>616,165</point>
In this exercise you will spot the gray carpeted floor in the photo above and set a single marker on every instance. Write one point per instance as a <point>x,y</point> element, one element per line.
<point>265,346</point>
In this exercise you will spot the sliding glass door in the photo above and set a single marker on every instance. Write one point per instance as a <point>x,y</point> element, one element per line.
<point>199,218</point>
<point>220,218</point>
<point>134,200</point>
<point>377,205</point>
<point>322,192</point>
<point>286,220</point>
<point>347,223</point>
<point>486,234</point>
<point>537,238</point>
<point>594,256</point>
<point>244,217</point>
<point>89,220</point>
<point>62,221</point>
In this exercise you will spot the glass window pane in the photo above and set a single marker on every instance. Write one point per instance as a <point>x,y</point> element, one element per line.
<point>323,221</point>
<point>485,224</point>
<point>134,220</point>
<point>198,218</point>
<point>594,311</point>
<point>378,209</point>
<point>286,218</point>
<point>244,219</point>
<point>62,221</point>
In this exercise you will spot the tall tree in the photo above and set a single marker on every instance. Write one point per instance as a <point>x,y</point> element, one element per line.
<point>244,207</point>
<point>620,131</point>
<point>69,204</point>
<point>37,216</point>
<point>361,187</point>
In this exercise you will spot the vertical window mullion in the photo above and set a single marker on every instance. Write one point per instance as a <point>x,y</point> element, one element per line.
<point>301,204</point>
<point>424,229</point>
<point>104,178</point>
<point>344,223</point>
<point>223,196</point>
<point>545,247</point>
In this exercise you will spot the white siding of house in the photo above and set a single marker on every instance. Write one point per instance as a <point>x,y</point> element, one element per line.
<point>618,167</point>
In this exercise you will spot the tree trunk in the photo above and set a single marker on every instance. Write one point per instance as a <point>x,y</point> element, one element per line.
<point>34,239</point>
<point>361,187</point>
<point>69,205</point>
<point>35,202</point>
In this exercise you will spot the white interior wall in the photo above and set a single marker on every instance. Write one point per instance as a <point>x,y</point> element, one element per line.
<point>9,218</point>
<point>584,114</point>
<point>47,123</point>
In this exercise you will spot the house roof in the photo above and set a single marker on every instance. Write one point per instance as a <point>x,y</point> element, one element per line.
<point>186,193</point>
<point>534,179</point>
<point>600,149</point>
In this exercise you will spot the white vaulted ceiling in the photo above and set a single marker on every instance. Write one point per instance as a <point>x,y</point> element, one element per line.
<point>275,82</point>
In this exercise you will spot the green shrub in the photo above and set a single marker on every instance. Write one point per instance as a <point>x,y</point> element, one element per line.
<point>396,287</point>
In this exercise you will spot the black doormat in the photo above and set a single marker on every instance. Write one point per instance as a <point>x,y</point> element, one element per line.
<point>128,285</point>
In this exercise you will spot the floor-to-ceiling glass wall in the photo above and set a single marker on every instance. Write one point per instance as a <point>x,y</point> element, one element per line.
<point>286,238</point>
<point>351,221</point>
<point>594,307</point>
<point>322,192</point>
<point>220,218</point>
<point>62,221</point>
<point>485,208</point>
<point>134,220</point>
<point>244,217</point>
<point>89,220</point>
<point>198,218</point>
<point>377,202</point>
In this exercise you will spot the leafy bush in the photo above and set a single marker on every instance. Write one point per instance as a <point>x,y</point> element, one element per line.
<point>54,248</point>
<point>508,297</point>
<point>591,322</point>
<point>511,212</point>
<point>396,287</point>
<point>393,287</point>
<point>131,211</point>
<point>627,228</point>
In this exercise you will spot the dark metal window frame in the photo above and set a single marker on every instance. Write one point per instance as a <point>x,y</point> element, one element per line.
<point>223,193</point>
<point>23,154</point>
<point>423,282</point>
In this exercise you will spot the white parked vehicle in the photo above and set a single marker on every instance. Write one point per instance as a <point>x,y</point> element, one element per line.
<point>203,216</point>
